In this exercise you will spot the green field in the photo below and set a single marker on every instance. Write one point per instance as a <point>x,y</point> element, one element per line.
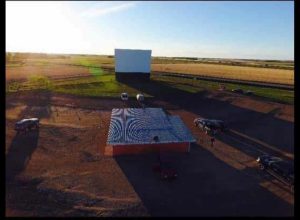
<point>277,95</point>
<point>37,71</point>
<point>106,86</point>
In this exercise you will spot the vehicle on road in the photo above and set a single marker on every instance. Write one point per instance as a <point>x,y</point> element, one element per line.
<point>211,126</point>
<point>166,167</point>
<point>279,168</point>
<point>140,97</point>
<point>124,96</point>
<point>27,124</point>
<point>238,91</point>
<point>248,92</point>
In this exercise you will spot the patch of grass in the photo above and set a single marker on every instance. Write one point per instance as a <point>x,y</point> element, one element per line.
<point>13,87</point>
<point>94,66</point>
<point>96,71</point>
<point>277,95</point>
<point>14,64</point>
<point>33,83</point>
<point>90,89</point>
<point>180,85</point>
<point>105,85</point>
<point>39,82</point>
<point>95,86</point>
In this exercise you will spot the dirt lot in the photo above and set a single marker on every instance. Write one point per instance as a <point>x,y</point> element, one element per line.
<point>60,170</point>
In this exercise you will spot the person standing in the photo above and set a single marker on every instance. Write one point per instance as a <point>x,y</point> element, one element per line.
<point>212,140</point>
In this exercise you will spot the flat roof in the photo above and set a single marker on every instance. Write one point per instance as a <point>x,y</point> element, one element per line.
<point>141,125</point>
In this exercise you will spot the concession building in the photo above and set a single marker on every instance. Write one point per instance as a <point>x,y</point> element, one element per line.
<point>142,130</point>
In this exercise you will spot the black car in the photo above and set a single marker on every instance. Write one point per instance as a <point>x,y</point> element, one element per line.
<point>238,91</point>
<point>278,168</point>
<point>210,125</point>
<point>248,92</point>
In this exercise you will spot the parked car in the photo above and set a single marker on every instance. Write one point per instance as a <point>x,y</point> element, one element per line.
<point>238,91</point>
<point>140,97</point>
<point>124,96</point>
<point>248,92</point>
<point>166,167</point>
<point>210,125</point>
<point>27,124</point>
<point>278,168</point>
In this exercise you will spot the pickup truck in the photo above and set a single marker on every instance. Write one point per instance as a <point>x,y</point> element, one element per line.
<point>210,126</point>
<point>279,168</point>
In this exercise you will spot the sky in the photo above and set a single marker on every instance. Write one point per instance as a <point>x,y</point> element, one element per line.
<point>208,29</point>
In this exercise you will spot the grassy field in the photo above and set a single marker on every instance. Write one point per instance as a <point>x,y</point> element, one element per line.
<point>106,86</point>
<point>281,72</point>
<point>94,86</point>
<point>277,95</point>
<point>86,76</point>
<point>21,65</point>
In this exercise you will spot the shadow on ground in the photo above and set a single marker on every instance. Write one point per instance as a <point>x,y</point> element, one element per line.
<point>205,186</point>
<point>24,144</point>
<point>262,126</point>
<point>19,153</point>
<point>251,147</point>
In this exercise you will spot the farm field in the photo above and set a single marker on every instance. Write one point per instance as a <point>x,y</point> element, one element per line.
<point>275,64</point>
<point>88,75</point>
<point>230,72</point>
<point>18,65</point>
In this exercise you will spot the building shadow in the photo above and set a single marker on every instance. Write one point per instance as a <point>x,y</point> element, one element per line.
<point>206,186</point>
<point>250,147</point>
<point>263,127</point>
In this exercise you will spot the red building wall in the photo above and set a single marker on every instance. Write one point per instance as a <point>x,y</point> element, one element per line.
<point>146,148</point>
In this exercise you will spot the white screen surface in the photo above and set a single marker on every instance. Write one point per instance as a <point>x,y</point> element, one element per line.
<point>132,61</point>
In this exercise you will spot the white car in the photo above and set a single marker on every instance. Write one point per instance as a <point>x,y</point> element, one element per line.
<point>27,124</point>
<point>140,97</point>
<point>124,96</point>
<point>210,125</point>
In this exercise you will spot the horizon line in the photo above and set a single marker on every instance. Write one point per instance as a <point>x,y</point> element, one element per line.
<point>90,54</point>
